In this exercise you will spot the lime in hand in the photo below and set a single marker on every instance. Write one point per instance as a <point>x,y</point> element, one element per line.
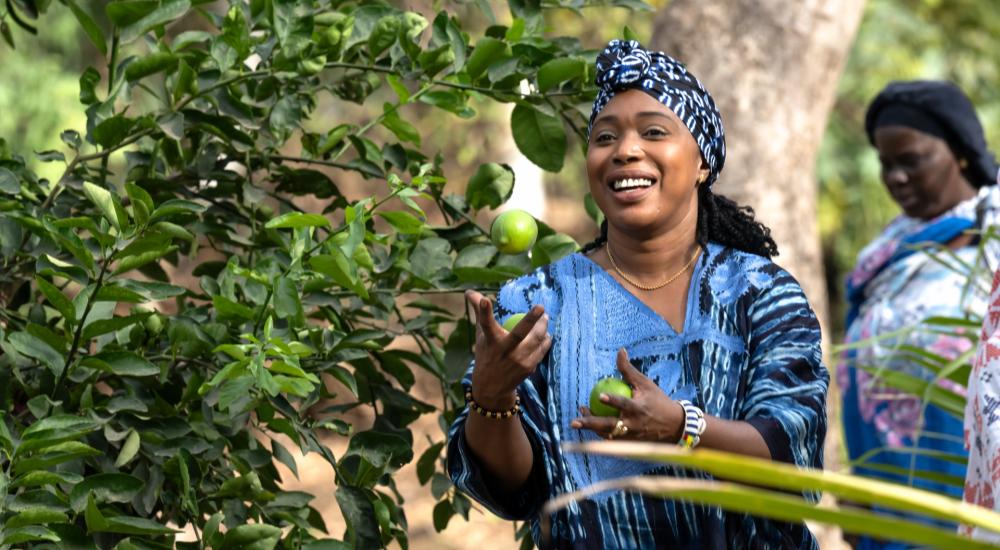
<point>512,321</point>
<point>610,386</point>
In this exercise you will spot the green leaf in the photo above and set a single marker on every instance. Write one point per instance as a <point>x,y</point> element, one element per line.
<point>112,131</point>
<point>476,255</point>
<point>539,137</point>
<point>28,534</point>
<point>129,449</point>
<point>948,400</point>
<point>115,293</point>
<point>122,363</point>
<point>90,27</point>
<point>398,126</point>
<point>360,517</point>
<point>285,457</point>
<point>491,186</point>
<point>404,222</point>
<point>88,86</point>
<point>104,201</point>
<point>487,51</point>
<point>8,182</point>
<point>126,525</point>
<point>443,511</point>
<point>93,517</point>
<point>430,259</point>
<point>340,269</point>
<point>151,64</point>
<point>427,464</point>
<point>286,299</point>
<point>58,423</point>
<point>551,248</point>
<point>42,478</point>
<point>8,37</point>
<point>559,70</point>
<point>103,326</point>
<point>163,12</point>
<point>105,488</point>
<point>296,220</point>
<point>56,454</point>
<point>58,300</point>
<point>228,308</point>
<point>136,261</point>
<point>36,516</point>
<point>31,346</point>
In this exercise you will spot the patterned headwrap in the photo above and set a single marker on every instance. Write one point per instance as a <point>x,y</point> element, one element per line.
<point>625,65</point>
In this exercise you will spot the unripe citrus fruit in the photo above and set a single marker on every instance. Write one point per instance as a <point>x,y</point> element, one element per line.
<point>610,386</point>
<point>514,232</point>
<point>512,321</point>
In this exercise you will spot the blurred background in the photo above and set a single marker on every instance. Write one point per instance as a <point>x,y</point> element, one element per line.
<point>897,39</point>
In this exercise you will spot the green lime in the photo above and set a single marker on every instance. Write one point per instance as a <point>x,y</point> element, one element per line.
<point>512,321</point>
<point>610,386</point>
<point>514,232</point>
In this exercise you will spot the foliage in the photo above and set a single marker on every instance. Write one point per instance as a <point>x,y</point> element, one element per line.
<point>749,485</point>
<point>190,296</point>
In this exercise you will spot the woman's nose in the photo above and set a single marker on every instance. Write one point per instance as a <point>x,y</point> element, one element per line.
<point>629,149</point>
<point>894,175</point>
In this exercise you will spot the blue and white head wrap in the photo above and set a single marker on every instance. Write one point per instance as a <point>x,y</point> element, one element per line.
<point>626,65</point>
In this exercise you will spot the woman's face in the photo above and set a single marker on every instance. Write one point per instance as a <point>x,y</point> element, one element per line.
<point>920,171</point>
<point>643,165</point>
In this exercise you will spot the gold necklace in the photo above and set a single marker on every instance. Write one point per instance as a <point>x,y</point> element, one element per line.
<point>636,284</point>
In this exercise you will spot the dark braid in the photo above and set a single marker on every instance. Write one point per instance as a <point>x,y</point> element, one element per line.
<point>596,243</point>
<point>722,221</point>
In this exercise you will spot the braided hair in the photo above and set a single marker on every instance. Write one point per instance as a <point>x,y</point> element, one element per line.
<point>722,221</point>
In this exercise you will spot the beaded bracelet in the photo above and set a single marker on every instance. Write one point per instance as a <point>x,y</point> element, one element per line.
<point>694,425</point>
<point>492,414</point>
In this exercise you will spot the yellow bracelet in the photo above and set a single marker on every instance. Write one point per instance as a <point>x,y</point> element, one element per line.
<point>492,414</point>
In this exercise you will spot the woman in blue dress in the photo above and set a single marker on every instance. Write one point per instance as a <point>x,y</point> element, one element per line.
<point>678,297</point>
<point>936,165</point>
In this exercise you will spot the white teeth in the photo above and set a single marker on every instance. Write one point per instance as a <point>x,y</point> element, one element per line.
<point>629,183</point>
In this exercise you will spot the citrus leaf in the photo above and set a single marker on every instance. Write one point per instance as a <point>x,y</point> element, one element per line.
<point>539,137</point>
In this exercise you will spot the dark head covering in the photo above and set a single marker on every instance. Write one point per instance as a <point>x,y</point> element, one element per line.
<point>940,109</point>
<point>627,65</point>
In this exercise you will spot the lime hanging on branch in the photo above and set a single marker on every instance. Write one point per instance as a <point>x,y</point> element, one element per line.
<point>610,386</point>
<point>514,232</point>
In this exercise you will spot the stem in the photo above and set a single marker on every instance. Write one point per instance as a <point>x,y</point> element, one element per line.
<point>79,328</point>
<point>303,160</point>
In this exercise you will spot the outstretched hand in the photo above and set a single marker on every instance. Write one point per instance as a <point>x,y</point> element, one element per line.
<point>504,359</point>
<point>650,415</point>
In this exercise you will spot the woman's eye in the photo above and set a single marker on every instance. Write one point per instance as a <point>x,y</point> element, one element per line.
<point>604,138</point>
<point>656,132</point>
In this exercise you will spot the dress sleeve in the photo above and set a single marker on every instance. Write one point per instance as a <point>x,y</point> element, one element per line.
<point>786,381</point>
<point>466,472</point>
<point>469,475</point>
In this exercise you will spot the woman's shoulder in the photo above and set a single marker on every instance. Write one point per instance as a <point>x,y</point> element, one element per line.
<point>729,269</point>
<point>540,286</point>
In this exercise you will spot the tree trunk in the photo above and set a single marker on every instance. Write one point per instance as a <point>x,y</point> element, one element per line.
<point>772,66</point>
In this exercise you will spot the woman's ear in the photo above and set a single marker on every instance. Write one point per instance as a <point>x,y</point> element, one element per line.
<point>703,173</point>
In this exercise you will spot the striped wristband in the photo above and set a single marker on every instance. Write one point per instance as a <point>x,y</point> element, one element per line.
<point>694,425</point>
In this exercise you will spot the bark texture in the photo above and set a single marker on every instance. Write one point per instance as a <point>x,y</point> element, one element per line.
<point>772,66</point>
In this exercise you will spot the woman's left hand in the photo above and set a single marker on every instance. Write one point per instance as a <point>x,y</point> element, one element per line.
<point>649,415</point>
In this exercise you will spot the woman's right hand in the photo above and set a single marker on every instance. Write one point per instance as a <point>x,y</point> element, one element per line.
<point>504,359</point>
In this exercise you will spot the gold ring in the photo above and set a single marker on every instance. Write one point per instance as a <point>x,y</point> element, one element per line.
<point>619,430</point>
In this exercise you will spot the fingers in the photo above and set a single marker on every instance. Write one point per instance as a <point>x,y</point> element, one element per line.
<point>485,323</point>
<point>526,325</point>
<point>629,373</point>
<point>601,425</point>
<point>623,404</point>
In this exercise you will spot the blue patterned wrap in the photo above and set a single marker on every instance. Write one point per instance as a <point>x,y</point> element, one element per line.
<point>626,65</point>
<point>749,350</point>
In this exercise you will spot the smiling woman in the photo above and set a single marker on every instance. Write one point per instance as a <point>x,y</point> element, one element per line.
<point>679,299</point>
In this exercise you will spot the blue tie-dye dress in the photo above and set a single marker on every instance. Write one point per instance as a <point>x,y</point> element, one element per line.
<point>749,350</point>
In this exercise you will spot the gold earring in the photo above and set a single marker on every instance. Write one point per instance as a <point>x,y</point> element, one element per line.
<point>702,178</point>
<point>963,164</point>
